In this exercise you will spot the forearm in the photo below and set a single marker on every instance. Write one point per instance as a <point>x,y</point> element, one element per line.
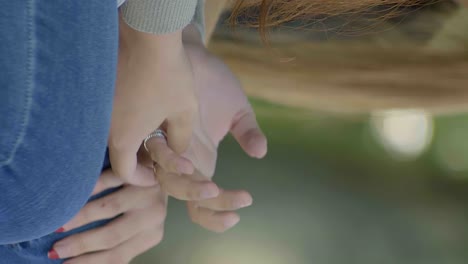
<point>191,35</point>
<point>150,47</point>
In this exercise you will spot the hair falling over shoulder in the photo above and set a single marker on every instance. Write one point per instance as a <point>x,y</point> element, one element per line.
<point>275,12</point>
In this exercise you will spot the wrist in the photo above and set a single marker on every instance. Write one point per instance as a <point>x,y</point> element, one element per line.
<point>191,35</point>
<point>161,46</point>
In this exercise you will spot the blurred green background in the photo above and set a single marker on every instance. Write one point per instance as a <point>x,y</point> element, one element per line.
<point>381,186</point>
<point>329,192</point>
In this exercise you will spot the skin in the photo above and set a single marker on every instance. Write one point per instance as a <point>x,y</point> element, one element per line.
<point>154,86</point>
<point>144,208</point>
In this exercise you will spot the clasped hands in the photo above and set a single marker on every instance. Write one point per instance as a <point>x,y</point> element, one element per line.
<point>185,175</point>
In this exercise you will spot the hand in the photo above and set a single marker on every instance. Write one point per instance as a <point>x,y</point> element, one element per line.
<point>139,227</point>
<point>223,108</point>
<point>154,86</point>
<point>216,214</point>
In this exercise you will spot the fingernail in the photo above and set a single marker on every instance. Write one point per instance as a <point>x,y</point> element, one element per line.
<point>52,254</point>
<point>60,230</point>
<point>256,147</point>
<point>231,222</point>
<point>244,203</point>
<point>209,193</point>
<point>61,248</point>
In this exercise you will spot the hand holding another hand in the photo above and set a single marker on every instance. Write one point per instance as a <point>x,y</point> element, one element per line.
<point>154,86</point>
<point>142,210</point>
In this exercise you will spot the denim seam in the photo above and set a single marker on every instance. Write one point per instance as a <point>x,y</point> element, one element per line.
<point>29,84</point>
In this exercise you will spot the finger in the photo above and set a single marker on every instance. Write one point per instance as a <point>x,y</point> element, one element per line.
<point>185,187</point>
<point>179,131</point>
<point>124,165</point>
<point>125,252</point>
<point>108,236</point>
<point>214,221</point>
<point>123,161</point>
<point>142,243</point>
<point>227,201</point>
<point>144,157</point>
<point>114,204</point>
<point>168,159</point>
<point>248,134</point>
<point>107,180</point>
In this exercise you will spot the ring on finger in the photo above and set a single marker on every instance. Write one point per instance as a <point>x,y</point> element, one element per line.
<point>158,133</point>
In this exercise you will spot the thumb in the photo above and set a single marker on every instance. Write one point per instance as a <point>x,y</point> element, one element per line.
<point>179,132</point>
<point>248,134</point>
<point>124,166</point>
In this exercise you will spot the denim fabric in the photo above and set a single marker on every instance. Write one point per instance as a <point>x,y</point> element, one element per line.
<point>35,251</point>
<point>57,74</point>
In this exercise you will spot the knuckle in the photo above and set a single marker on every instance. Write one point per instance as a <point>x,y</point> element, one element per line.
<point>122,170</point>
<point>192,194</point>
<point>171,162</point>
<point>112,204</point>
<point>117,142</point>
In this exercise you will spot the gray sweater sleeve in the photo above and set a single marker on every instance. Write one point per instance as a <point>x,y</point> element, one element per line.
<point>159,16</point>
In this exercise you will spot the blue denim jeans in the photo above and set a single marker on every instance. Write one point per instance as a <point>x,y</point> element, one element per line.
<point>57,73</point>
<point>35,251</point>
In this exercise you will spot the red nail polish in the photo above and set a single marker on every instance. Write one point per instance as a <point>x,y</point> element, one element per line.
<point>52,254</point>
<point>60,230</point>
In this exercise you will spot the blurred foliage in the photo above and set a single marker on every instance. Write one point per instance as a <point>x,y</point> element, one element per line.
<point>329,193</point>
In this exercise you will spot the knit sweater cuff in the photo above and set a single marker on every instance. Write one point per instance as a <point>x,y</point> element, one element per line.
<point>158,16</point>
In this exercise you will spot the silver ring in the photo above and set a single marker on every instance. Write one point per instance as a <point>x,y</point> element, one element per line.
<point>158,133</point>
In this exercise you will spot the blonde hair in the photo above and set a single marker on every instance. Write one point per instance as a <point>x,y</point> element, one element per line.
<point>430,75</point>
<point>269,13</point>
